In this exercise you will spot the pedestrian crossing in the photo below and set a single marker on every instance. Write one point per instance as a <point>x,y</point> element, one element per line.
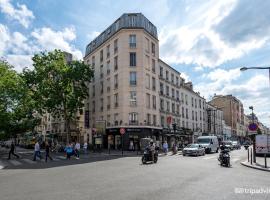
<point>20,162</point>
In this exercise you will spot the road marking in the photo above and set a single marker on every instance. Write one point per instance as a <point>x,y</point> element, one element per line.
<point>62,157</point>
<point>15,162</point>
<point>209,157</point>
<point>56,159</point>
<point>2,164</point>
<point>28,161</point>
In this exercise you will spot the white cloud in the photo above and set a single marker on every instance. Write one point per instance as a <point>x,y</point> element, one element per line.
<point>91,36</point>
<point>185,76</point>
<point>4,38</point>
<point>20,61</point>
<point>48,39</point>
<point>199,41</point>
<point>253,91</point>
<point>22,14</point>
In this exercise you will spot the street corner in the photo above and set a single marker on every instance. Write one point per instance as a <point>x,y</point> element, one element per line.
<point>255,166</point>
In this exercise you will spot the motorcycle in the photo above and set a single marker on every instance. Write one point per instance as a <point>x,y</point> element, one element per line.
<point>147,156</point>
<point>224,158</point>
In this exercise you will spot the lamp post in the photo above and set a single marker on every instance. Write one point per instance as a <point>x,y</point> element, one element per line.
<point>254,146</point>
<point>247,68</point>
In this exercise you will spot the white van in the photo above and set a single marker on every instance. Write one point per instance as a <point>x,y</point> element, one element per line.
<point>210,143</point>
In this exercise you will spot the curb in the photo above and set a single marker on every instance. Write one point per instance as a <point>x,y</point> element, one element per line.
<point>254,167</point>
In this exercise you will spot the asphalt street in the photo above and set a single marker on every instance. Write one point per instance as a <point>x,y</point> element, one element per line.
<point>122,178</point>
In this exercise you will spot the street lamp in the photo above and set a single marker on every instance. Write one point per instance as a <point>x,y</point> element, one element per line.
<point>246,68</point>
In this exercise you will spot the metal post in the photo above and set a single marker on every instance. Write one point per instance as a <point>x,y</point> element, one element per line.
<point>251,156</point>
<point>265,162</point>
<point>248,154</point>
<point>122,144</point>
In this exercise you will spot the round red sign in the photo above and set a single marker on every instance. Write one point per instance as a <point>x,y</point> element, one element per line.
<point>122,131</point>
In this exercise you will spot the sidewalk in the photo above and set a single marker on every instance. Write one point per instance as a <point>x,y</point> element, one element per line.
<point>259,165</point>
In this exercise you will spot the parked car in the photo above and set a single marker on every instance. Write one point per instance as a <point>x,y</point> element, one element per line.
<point>194,149</point>
<point>210,143</point>
<point>228,145</point>
<point>236,145</point>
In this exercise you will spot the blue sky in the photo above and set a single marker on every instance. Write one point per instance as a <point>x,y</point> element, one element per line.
<point>206,40</point>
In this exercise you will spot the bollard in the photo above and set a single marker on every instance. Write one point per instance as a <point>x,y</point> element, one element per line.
<point>265,162</point>
<point>251,156</point>
<point>248,155</point>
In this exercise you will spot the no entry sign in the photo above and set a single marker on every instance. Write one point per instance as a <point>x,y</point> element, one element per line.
<point>122,131</point>
<point>253,127</point>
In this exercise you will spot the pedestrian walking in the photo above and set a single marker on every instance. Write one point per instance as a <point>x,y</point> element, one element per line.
<point>37,152</point>
<point>85,147</point>
<point>47,149</point>
<point>77,149</point>
<point>12,151</point>
<point>165,147</point>
<point>69,151</point>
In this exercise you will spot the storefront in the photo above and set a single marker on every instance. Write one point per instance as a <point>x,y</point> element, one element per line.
<point>131,137</point>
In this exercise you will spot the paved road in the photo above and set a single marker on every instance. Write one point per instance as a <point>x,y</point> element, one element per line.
<point>174,177</point>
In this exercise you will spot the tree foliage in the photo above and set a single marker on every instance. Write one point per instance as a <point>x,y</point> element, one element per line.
<point>58,87</point>
<point>16,105</point>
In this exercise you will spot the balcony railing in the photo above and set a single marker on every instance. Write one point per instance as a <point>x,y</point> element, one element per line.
<point>133,122</point>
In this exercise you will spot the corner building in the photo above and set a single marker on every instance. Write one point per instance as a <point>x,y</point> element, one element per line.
<point>126,89</point>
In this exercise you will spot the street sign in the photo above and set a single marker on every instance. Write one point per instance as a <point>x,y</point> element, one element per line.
<point>253,127</point>
<point>122,131</point>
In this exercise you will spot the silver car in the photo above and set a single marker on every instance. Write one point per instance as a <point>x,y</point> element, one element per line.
<point>194,149</point>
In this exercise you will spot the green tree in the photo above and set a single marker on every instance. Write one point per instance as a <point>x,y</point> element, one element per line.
<point>59,87</point>
<point>16,105</point>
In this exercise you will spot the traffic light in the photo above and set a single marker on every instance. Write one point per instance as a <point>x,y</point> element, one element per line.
<point>174,126</point>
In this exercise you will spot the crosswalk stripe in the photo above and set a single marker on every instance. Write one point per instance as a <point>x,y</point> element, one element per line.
<point>210,157</point>
<point>61,157</point>
<point>2,164</point>
<point>15,162</point>
<point>28,161</point>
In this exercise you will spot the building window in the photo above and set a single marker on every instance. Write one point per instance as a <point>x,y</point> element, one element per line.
<point>108,68</point>
<point>115,63</point>
<point>132,59</point>
<point>154,120</point>
<point>172,78</point>
<point>195,103</point>
<point>186,113</point>
<point>200,103</point>
<point>177,95</point>
<point>147,62</point>
<point>133,98</point>
<point>101,87</point>
<point>147,100</point>
<point>186,97</point>
<point>183,112</point>
<point>192,115</point>
<point>93,62</point>
<point>147,81</point>
<point>177,81</point>
<point>154,102</point>
<point>108,102</point>
<point>153,84</point>
<point>101,105</point>
<point>173,107</point>
<point>168,106</point>
<point>153,66</point>
<point>161,104</point>
<point>148,121</point>
<point>167,90</point>
<point>167,75</point>
<point>108,51</point>
<point>132,79</point>
<point>93,94</point>
<point>132,41</point>
<point>147,45</point>
<point>161,72</point>
<point>115,46</point>
<point>192,101</point>
<point>173,94</point>
<point>161,88</point>
<point>116,81</point>
<point>153,49</point>
<point>101,56</point>
<point>133,118</point>
<point>116,100</point>
<point>162,121</point>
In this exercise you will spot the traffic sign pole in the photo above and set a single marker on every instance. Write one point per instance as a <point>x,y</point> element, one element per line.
<point>122,132</point>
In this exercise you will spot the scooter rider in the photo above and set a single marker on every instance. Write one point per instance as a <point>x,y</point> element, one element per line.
<point>222,149</point>
<point>151,148</point>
